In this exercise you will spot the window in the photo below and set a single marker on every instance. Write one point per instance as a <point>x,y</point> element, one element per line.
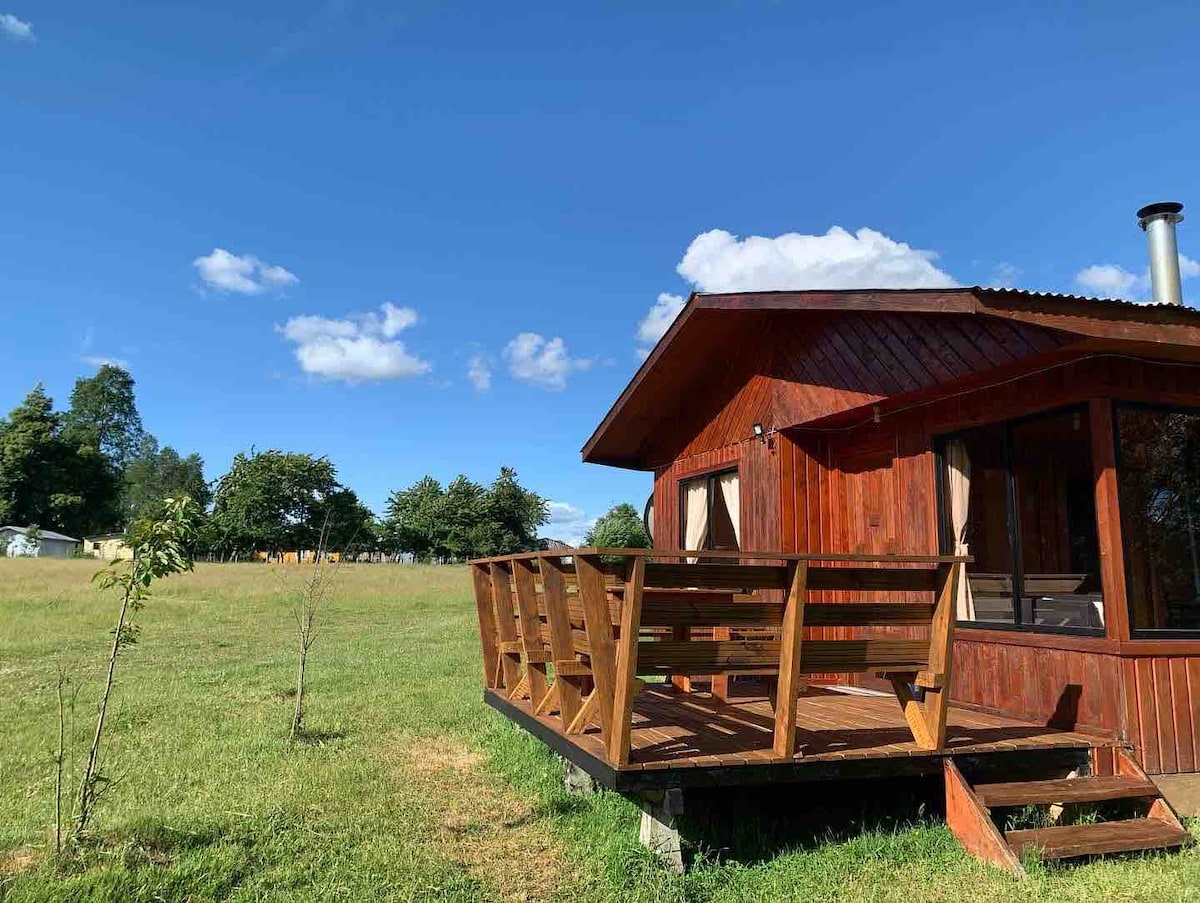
<point>709,512</point>
<point>1019,498</point>
<point>1158,480</point>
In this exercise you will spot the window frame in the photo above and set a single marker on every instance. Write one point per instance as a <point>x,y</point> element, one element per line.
<point>1135,632</point>
<point>710,477</point>
<point>945,544</point>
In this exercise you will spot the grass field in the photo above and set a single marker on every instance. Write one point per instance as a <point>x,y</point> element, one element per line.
<point>409,787</point>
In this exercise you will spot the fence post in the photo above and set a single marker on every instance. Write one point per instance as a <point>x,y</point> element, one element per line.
<point>531,633</point>
<point>597,622</point>
<point>788,685</point>
<point>941,651</point>
<point>487,625</point>
<point>627,652</point>
<point>562,647</point>
<point>506,627</point>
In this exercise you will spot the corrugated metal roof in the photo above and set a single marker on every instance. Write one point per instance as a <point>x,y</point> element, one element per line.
<point>46,534</point>
<point>1059,296</point>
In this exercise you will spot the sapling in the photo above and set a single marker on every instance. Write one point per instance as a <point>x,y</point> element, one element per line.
<point>160,547</point>
<point>306,604</point>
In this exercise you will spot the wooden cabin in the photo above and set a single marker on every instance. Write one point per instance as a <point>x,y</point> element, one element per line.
<point>895,532</point>
<point>1054,439</point>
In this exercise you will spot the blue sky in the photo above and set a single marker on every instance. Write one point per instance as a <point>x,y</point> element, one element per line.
<point>423,237</point>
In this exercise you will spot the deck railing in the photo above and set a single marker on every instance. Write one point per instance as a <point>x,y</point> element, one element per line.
<point>575,630</point>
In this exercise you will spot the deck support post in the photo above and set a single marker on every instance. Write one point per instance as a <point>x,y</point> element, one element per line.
<point>659,831</point>
<point>576,781</point>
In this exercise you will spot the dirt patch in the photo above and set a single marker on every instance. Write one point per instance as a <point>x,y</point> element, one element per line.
<point>14,862</point>
<point>480,823</point>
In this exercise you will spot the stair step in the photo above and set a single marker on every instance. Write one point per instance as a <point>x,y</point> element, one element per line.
<point>1067,790</point>
<point>1067,841</point>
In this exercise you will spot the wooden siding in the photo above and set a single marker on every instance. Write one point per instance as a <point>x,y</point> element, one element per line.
<point>782,369</point>
<point>834,483</point>
<point>1162,711</point>
<point>758,478</point>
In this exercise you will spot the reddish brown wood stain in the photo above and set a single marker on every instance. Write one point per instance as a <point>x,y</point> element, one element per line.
<point>841,483</point>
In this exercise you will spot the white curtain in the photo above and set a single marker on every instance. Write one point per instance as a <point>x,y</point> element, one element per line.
<point>959,480</point>
<point>729,492</point>
<point>695,526</point>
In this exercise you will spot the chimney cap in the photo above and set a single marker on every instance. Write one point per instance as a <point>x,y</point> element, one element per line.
<point>1159,209</point>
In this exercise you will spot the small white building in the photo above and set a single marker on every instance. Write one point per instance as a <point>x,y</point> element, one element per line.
<point>109,546</point>
<point>17,544</point>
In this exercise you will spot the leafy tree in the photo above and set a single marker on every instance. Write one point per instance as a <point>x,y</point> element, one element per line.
<point>282,500</point>
<point>620,528</point>
<point>154,475</point>
<point>47,479</point>
<point>413,522</point>
<point>464,520</point>
<point>514,515</point>
<point>104,415</point>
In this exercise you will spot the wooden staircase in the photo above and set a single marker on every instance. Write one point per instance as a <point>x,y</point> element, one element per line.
<point>971,810</point>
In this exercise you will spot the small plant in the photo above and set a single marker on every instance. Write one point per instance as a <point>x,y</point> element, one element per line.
<point>160,547</point>
<point>306,605</point>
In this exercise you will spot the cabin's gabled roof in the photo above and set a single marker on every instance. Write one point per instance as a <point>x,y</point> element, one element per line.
<point>789,358</point>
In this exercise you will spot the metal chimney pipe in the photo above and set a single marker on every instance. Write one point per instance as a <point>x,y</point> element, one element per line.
<point>1158,222</point>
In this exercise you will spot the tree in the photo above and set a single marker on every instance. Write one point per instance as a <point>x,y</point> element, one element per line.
<point>154,475</point>
<point>104,415</point>
<point>620,528</point>
<point>464,520</point>
<point>46,479</point>
<point>413,522</point>
<point>279,500</point>
<point>514,515</point>
<point>160,548</point>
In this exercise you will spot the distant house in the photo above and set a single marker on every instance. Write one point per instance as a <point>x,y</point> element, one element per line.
<point>48,544</point>
<point>109,546</point>
<point>546,544</point>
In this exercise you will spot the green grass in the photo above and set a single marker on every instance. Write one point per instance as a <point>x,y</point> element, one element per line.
<point>410,788</point>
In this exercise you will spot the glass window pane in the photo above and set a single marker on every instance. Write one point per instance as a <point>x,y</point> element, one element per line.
<point>980,457</point>
<point>724,534</point>
<point>1056,516</point>
<point>1158,475</point>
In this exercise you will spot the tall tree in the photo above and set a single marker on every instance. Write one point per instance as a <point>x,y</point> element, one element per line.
<point>156,474</point>
<point>464,520</point>
<point>413,522</point>
<point>281,500</point>
<point>104,415</point>
<point>47,479</point>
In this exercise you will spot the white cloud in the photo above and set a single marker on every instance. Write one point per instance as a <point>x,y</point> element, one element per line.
<point>1108,279</point>
<point>245,274</point>
<point>534,359</point>
<point>717,261</point>
<point>360,347</point>
<point>15,28</point>
<point>656,323</point>
<point>97,360</point>
<point>1111,280</point>
<point>479,372</point>
<point>567,522</point>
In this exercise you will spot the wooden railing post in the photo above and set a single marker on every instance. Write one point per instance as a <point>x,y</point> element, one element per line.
<point>941,651</point>
<point>533,651</point>
<point>597,623</point>
<point>562,649</point>
<point>506,627</point>
<point>627,652</point>
<point>788,683</point>
<point>484,609</point>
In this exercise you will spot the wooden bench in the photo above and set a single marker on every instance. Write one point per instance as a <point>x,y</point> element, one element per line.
<point>576,630</point>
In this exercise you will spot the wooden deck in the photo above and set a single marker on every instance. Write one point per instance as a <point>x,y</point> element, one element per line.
<point>692,739</point>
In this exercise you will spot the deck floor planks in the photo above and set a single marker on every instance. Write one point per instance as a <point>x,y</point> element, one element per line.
<point>676,730</point>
